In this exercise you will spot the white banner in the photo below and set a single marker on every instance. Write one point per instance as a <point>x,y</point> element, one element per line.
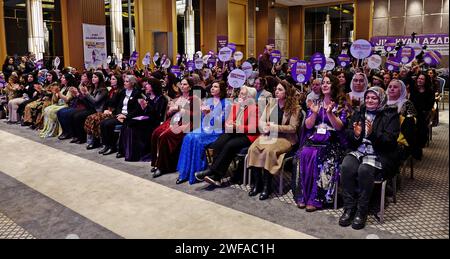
<point>94,43</point>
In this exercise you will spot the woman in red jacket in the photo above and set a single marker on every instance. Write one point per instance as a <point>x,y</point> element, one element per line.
<point>241,131</point>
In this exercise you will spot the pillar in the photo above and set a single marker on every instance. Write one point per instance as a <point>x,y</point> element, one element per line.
<point>35,28</point>
<point>116,28</point>
<point>189,29</point>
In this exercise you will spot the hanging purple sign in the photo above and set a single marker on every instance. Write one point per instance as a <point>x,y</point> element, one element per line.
<point>439,42</point>
<point>344,60</point>
<point>318,61</point>
<point>392,64</point>
<point>176,71</point>
<point>222,41</point>
<point>275,56</point>
<point>301,72</point>
<point>432,58</point>
<point>405,55</point>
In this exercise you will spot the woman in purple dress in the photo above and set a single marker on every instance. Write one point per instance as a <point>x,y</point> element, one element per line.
<point>322,150</point>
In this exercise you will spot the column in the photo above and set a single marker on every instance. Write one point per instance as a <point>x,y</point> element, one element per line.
<point>35,28</point>
<point>116,28</point>
<point>327,37</point>
<point>3,52</point>
<point>189,35</point>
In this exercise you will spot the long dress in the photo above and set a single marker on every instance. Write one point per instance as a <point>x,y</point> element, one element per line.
<point>192,156</point>
<point>52,127</point>
<point>320,159</point>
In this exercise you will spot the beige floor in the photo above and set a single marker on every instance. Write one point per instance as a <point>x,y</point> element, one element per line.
<point>127,205</point>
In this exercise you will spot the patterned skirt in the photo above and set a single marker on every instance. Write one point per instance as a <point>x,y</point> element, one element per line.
<point>92,124</point>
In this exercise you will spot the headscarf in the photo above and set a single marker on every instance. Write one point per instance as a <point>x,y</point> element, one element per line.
<point>378,91</point>
<point>402,99</point>
<point>359,95</point>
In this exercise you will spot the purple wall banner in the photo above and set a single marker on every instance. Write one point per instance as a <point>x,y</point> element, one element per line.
<point>439,42</point>
<point>222,41</point>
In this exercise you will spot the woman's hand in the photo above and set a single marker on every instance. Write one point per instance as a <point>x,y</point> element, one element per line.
<point>357,128</point>
<point>315,108</point>
<point>330,107</point>
<point>121,118</point>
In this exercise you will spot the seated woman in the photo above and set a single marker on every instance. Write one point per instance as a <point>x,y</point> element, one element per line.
<point>94,100</point>
<point>322,149</point>
<point>372,135</point>
<point>92,124</point>
<point>127,109</point>
<point>61,98</point>
<point>15,92</point>
<point>134,140</point>
<point>241,130</point>
<point>33,111</point>
<point>29,96</point>
<point>76,104</point>
<point>358,85</point>
<point>279,124</point>
<point>397,98</point>
<point>214,112</point>
<point>167,139</point>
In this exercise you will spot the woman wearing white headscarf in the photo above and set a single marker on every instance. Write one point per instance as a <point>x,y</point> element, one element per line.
<point>372,137</point>
<point>359,86</point>
<point>397,98</point>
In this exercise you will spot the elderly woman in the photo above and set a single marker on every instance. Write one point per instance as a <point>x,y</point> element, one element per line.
<point>61,98</point>
<point>315,93</point>
<point>127,108</point>
<point>323,149</point>
<point>279,124</point>
<point>372,135</point>
<point>397,98</point>
<point>358,85</point>
<point>241,131</point>
<point>214,112</point>
<point>167,138</point>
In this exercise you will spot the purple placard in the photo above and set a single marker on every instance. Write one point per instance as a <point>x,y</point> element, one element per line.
<point>133,59</point>
<point>275,56</point>
<point>344,60</point>
<point>432,58</point>
<point>212,61</point>
<point>232,46</point>
<point>361,49</point>
<point>222,41</point>
<point>318,61</point>
<point>176,71</point>
<point>301,71</point>
<point>389,45</point>
<point>405,55</point>
<point>439,42</point>
<point>392,64</point>
<point>191,66</point>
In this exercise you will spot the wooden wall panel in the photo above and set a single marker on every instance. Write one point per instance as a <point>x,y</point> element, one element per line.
<point>262,27</point>
<point>363,19</point>
<point>296,37</point>
<point>209,27</point>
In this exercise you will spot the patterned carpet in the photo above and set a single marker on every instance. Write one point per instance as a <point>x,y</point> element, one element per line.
<point>10,230</point>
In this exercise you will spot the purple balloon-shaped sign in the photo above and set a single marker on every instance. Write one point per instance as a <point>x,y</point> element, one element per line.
<point>176,71</point>
<point>318,61</point>
<point>432,58</point>
<point>405,55</point>
<point>392,64</point>
<point>133,59</point>
<point>361,49</point>
<point>212,61</point>
<point>389,45</point>
<point>344,60</point>
<point>275,56</point>
<point>191,66</point>
<point>301,71</point>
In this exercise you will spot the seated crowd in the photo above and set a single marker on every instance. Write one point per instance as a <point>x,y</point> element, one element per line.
<point>348,128</point>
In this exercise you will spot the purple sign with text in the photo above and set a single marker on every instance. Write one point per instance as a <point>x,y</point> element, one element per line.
<point>275,56</point>
<point>405,55</point>
<point>318,61</point>
<point>344,60</point>
<point>176,71</point>
<point>222,41</point>
<point>392,64</point>
<point>191,65</point>
<point>432,58</point>
<point>301,71</point>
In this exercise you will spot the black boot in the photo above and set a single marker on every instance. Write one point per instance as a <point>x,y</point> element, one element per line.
<point>256,186</point>
<point>347,217</point>
<point>267,185</point>
<point>106,148</point>
<point>95,144</point>
<point>360,219</point>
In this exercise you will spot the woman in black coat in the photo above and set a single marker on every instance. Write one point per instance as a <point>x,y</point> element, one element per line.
<point>372,136</point>
<point>127,109</point>
<point>134,141</point>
